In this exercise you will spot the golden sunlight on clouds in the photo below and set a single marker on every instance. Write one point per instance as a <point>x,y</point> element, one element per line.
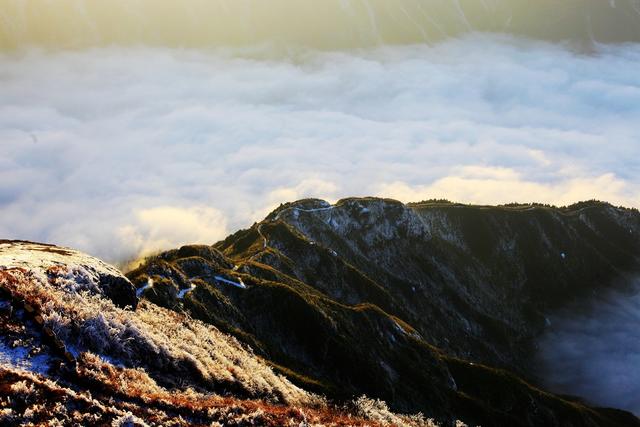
<point>168,226</point>
<point>73,23</point>
<point>488,185</point>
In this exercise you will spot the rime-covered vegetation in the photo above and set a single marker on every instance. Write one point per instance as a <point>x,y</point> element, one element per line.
<point>99,364</point>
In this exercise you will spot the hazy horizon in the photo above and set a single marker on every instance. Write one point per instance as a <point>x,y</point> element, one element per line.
<point>330,24</point>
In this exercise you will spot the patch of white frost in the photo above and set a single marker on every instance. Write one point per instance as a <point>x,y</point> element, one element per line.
<point>18,357</point>
<point>75,271</point>
<point>140,291</point>
<point>31,255</point>
<point>240,284</point>
<point>185,291</point>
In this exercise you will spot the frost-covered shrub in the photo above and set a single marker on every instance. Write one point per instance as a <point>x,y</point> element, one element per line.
<point>377,410</point>
<point>128,420</point>
<point>153,338</point>
<point>21,388</point>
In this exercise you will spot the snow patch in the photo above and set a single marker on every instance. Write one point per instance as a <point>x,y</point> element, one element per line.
<point>240,284</point>
<point>140,291</point>
<point>18,357</point>
<point>185,291</point>
<point>399,328</point>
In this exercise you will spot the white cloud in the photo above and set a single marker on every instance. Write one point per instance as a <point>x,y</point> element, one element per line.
<point>166,226</point>
<point>481,185</point>
<point>99,145</point>
<point>592,350</point>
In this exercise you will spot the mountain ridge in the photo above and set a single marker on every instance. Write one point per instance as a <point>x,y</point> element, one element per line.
<point>431,307</point>
<point>382,273</point>
<point>70,355</point>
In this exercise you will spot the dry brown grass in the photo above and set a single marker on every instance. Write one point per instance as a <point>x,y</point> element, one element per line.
<point>31,400</point>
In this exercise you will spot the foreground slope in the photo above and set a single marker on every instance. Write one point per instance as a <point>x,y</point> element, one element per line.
<point>432,307</point>
<point>76,348</point>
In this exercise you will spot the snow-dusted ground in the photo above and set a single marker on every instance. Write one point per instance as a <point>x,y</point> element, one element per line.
<point>77,271</point>
<point>18,357</point>
<point>238,284</point>
<point>36,255</point>
<point>141,290</point>
<point>296,209</point>
<point>52,280</point>
<point>185,291</point>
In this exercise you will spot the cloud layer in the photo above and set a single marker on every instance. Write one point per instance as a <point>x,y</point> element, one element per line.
<point>121,150</point>
<point>594,351</point>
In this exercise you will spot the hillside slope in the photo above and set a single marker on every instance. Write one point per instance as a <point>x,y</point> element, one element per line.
<point>76,348</point>
<point>433,307</point>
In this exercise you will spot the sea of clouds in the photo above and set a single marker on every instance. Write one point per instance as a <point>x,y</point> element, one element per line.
<point>592,350</point>
<point>120,151</point>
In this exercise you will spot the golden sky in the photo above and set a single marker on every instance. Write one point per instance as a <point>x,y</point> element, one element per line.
<point>316,23</point>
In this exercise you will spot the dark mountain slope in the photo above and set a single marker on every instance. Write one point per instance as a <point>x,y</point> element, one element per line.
<point>489,273</point>
<point>373,296</point>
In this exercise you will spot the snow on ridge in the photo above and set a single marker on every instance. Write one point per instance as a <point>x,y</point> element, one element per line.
<point>239,284</point>
<point>70,270</point>
<point>38,256</point>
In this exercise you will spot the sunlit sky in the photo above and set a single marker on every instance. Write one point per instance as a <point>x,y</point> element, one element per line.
<point>327,24</point>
